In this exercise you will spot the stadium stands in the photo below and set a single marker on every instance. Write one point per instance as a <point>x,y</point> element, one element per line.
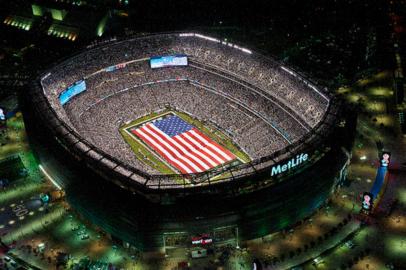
<point>261,105</point>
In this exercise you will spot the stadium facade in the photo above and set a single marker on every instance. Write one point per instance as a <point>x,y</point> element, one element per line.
<point>297,138</point>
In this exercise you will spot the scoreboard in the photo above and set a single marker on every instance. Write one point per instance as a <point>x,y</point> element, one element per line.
<point>168,61</point>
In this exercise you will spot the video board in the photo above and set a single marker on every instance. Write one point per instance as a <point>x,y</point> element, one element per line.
<point>2,114</point>
<point>168,61</point>
<point>73,90</point>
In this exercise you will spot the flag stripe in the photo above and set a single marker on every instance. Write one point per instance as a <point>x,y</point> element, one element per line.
<point>207,153</point>
<point>196,142</point>
<point>171,150</point>
<point>207,145</point>
<point>157,148</point>
<point>210,155</point>
<point>162,151</point>
<point>197,151</point>
<point>182,145</point>
<point>224,152</point>
<point>180,149</point>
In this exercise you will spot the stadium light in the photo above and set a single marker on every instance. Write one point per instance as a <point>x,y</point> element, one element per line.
<point>186,34</point>
<point>207,38</point>
<point>246,50</point>
<point>216,40</point>
<point>49,177</point>
<point>288,71</point>
<point>305,81</point>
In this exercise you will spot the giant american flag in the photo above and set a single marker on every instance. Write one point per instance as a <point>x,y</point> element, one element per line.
<point>182,145</point>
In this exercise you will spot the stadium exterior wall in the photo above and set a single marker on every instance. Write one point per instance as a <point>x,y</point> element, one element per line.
<point>103,190</point>
<point>257,209</point>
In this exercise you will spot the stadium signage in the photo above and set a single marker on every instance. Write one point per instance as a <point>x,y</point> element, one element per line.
<point>73,90</point>
<point>204,240</point>
<point>280,168</point>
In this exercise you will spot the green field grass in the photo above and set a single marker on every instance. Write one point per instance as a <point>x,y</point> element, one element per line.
<point>143,152</point>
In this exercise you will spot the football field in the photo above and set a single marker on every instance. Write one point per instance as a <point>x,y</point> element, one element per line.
<point>173,142</point>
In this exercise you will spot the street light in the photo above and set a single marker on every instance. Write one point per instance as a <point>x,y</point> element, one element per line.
<point>237,246</point>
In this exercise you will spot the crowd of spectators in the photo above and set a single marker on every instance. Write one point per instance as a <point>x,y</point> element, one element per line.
<point>259,105</point>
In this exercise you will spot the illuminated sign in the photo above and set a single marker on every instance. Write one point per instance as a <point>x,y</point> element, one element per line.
<point>367,201</point>
<point>2,115</point>
<point>203,239</point>
<point>280,168</point>
<point>385,159</point>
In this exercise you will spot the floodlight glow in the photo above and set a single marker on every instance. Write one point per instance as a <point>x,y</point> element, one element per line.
<point>288,71</point>
<point>49,177</point>
<point>207,38</point>
<point>186,34</point>
<point>246,50</point>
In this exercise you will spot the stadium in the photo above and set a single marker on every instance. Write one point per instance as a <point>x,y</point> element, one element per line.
<point>161,138</point>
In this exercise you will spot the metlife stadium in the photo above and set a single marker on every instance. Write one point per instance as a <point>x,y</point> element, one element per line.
<point>276,121</point>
